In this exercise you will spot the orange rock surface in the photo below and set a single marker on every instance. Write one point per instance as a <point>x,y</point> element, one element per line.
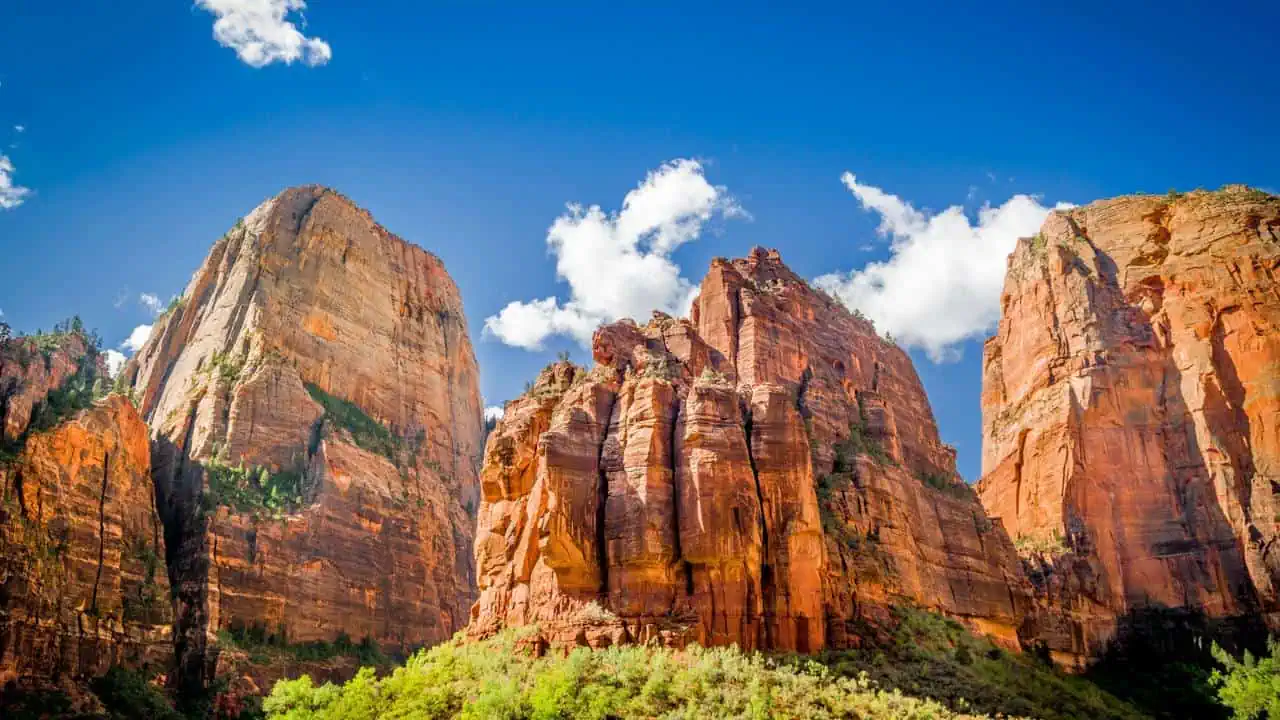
<point>1131,411</point>
<point>82,579</point>
<point>767,473</point>
<point>308,298</point>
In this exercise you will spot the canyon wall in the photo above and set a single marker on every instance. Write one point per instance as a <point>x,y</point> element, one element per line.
<point>766,473</point>
<point>82,581</point>
<point>1131,412</point>
<point>316,424</point>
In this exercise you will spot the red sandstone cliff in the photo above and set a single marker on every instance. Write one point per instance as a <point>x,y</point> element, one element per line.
<point>1131,411</point>
<point>82,581</point>
<point>767,473</point>
<point>314,404</point>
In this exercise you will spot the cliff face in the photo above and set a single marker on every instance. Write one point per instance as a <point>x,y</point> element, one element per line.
<point>767,473</point>
<point>315,409</point>
<point>82,581</point>
<point>1131,411</point>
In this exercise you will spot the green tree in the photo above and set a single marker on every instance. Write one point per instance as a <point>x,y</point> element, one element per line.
<point>1250,686</point>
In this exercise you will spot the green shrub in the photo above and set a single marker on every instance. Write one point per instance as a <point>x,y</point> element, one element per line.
<point>367,433</point>
<point>499,679</point>
<point>127,695</point>
<point>254,491</point>
<point>928,655</point>
<point>263,645</point>
<point>1250,687</point>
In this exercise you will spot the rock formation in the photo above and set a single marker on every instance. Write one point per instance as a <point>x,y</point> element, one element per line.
<point>767,473</point>
<point>1131,411</point>
<point>316,417</point>
<point>82,581</point>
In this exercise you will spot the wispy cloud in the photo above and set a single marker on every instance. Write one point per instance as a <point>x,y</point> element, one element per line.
<point>261,34</point>
<point>20,128</point>
<point>941,283</point>
<point>619,265</point>
<point>11,195</point>
<point>493,413</point>
<point>151,302</point>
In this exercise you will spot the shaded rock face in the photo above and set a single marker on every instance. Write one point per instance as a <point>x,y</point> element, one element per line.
<point>330,359</point>
<point>82,579</point>
<point>1131,411</point>
<point>767,473</point>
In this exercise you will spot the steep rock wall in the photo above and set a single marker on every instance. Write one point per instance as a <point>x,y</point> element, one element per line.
<point>767,473</point>
<point>329,360</point>
<point>1131,411</point>
<point>82,579</point>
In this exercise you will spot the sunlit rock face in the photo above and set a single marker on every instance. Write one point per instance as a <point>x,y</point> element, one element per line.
<point>331,358</point>
<point>766,473</point>
<point>1131,411</point>
<point>82,579</point>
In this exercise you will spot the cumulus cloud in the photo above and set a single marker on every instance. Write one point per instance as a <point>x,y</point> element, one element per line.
<point>152,302</point>
<point>260,33</point>
<point>137,338</point>
<point>115,361</point>
<point>619,265</point>
<point>11,195</point>
<point>493,413</point>
<point>941,283</point>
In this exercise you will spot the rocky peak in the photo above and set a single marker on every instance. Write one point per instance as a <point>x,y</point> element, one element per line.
<point>1130,406</point>
<point>315,405</point>
<point>765,473</point>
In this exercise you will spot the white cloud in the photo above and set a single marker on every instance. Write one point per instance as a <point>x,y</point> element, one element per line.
<point>152,302</point>
<point>115,361</point>
<point>941,283</point>
<point>20,128</point>
<point>137,338</point>
<point>11,196</point>
<point>493,412</point>
<point>619,265</point>
<point>259,33</point>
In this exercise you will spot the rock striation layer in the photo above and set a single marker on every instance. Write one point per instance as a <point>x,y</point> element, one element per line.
<point>82,580</point>
<point>766,473</point>
<point>1131,411</point>
<point>314,403</point>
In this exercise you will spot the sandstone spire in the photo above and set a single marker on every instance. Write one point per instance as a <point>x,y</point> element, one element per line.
<point>766,473</point>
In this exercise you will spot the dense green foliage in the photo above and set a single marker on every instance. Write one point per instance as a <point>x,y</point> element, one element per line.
<point>497,679</point>
<point>254,491</point>
<point>1250,687</point>
<point>368,433</point>
<point>931,656</point>
<point>1161,660</point>
<point>263,646</point>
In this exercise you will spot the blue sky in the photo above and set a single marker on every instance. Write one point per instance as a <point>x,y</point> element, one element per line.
<point>466,127</point>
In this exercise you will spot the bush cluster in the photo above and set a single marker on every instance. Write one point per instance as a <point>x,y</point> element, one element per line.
<point>498,679</point>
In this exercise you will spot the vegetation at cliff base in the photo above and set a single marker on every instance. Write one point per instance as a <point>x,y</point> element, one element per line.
<point>925,667</point>
<point>1250,686</point>
<point>498,678</point>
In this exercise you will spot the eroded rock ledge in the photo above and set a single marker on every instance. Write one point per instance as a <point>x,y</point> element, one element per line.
<point>767,473</point>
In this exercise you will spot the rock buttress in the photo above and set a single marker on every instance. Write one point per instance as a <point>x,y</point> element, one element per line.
<point>1131,411</point>
<point>82,579</point>
<point>767,473</point>
<point>314,403</point>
